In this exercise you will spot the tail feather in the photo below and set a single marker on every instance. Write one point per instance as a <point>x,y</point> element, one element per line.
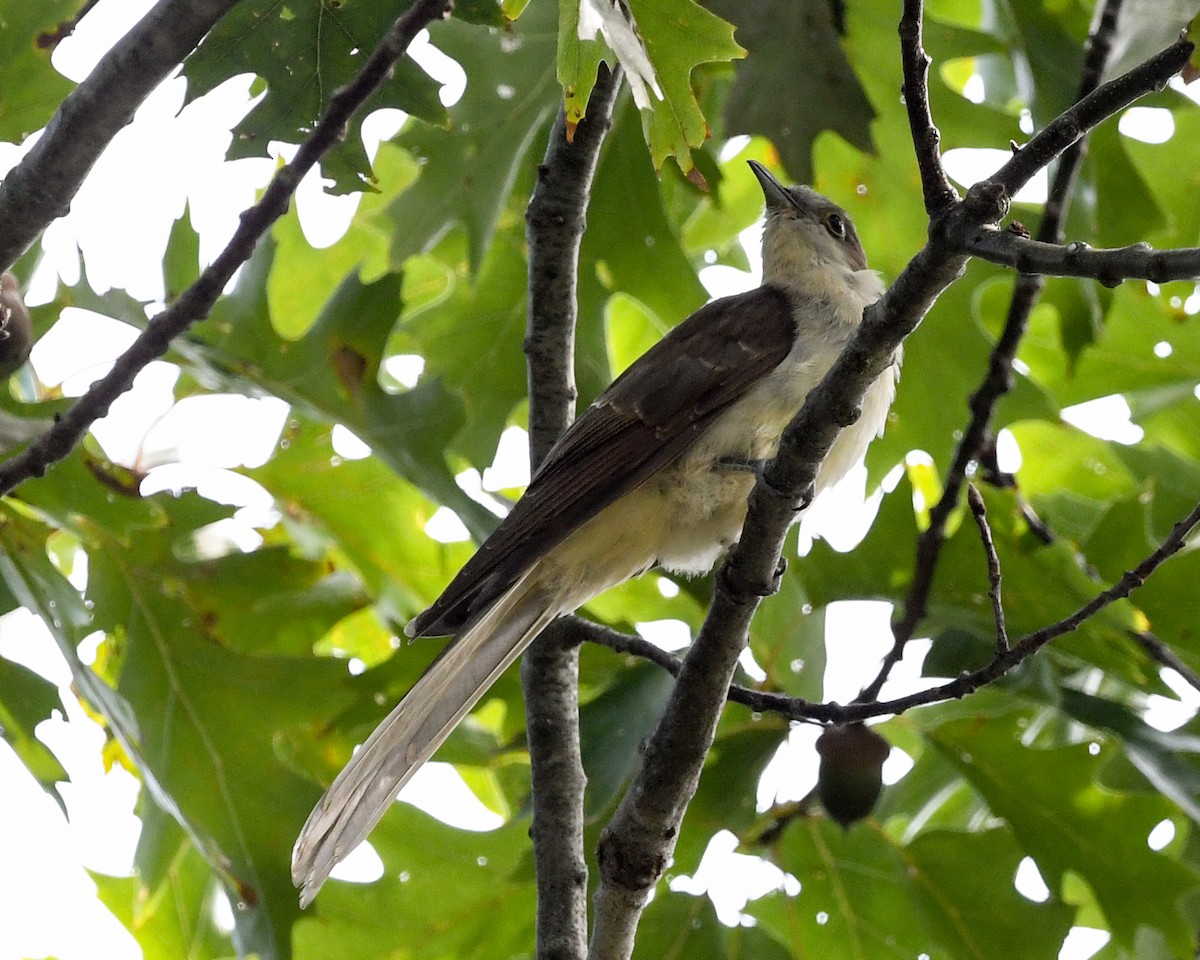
<point>413,731</point>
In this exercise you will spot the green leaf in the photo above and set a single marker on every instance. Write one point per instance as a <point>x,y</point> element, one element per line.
<point>25,701</point>
<point>1123,360</point>
<point>207,721</point>
<point>631,247</point>
<point>1126,210</point>
<point>1169,760</point>
<point>302,276</point>
<point>612,728</point>
<point>794,47</point>
<point>85,491</point>
<point>304,51</point>
<point>679,36</point>
<point>174,918</point>
<point>1067,823</point>
<point>373,520</point>
<point>469,166</point>
<point>333,373</point>
<point>964,888</point>
<point>578,62</point>
<point>238,593</point>
<point>471,340</point>
<point>32,87</point>
<point>679,925</point>
<point>726,798</point>
<point>1165,599</point>
<point>853,902</point>
<point>787,638</point>
<point>444,893</point>
<point>181,260</point>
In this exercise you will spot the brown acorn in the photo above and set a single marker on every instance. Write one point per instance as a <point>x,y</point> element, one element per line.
<point>850,778</point>
<point>16,332</point>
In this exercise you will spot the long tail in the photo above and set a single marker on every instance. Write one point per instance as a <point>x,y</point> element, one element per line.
<point>410,734</point>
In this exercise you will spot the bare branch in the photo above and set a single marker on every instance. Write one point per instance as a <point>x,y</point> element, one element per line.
<point>979,512</point>
<point>1111,267</point>
<point>935,184</point>
<point>40,188</point>
<point>195,302</point>
<point>1091,111</point>
<point>550,668</point>
<point>1024,648</point>
<point>998,379</point>
<point>763,701</point>
<point>554,225</point>
<point>1161,653</point>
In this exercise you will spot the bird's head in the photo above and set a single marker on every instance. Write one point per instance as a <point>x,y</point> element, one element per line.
<point>804,231</point>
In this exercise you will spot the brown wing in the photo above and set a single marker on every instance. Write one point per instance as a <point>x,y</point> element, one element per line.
<point>644,420</point>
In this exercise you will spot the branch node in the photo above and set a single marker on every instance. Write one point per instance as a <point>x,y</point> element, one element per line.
<point>988,201</point>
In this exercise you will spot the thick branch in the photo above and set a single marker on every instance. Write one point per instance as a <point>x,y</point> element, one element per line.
<point>195,302</point>
<point>550,669</point>
<point>1138,261</point>
<point>40,188</point>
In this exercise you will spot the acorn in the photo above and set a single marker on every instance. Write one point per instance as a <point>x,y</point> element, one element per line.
<point>16,332</point>
<point>850,778</point>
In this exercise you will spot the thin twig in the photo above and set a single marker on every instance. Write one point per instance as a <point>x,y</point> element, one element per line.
<point>1004,661</point>
<point>763,701</point>
<point>979,512</point>
<point>550,668</point>
<point>969,681</point>
<point>939,192</point>
<point>1162,654</point>
<point>195,302</point>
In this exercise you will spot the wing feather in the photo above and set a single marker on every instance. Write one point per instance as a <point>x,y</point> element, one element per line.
<point>644,420</point>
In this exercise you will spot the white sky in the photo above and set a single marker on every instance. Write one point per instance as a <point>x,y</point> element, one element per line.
<point>120,221</point>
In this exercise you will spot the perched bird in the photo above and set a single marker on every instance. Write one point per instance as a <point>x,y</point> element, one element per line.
<point>656,472</point>
<point>16,331</point>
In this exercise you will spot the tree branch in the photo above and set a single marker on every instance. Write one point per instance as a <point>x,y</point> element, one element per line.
<point>998,379</point>
<point>1139,261</point>
<point>550,668</point>
<point>195,302</point>
<point>40,188</point>
<point>1090,111</point>
<point>1027,646</point>
<point>939,192</point>
<point>1160,653</point>
<point>979,512</point>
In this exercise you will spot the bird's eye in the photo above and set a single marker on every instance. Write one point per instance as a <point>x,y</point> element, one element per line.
<point>836,226</point>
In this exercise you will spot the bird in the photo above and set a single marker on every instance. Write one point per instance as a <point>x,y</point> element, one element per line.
<point>657,472</point>
<point>16,330</point>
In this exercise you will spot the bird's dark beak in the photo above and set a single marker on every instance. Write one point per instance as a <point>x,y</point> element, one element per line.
<point>776,195</point>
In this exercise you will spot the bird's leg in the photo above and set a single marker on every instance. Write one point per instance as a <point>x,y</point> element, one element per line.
<point>758,468</point>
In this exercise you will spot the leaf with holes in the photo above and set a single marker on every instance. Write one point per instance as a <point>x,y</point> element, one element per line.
<point>304,51</point>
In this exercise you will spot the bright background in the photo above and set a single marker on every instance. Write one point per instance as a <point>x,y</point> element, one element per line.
<point>119,221</point>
